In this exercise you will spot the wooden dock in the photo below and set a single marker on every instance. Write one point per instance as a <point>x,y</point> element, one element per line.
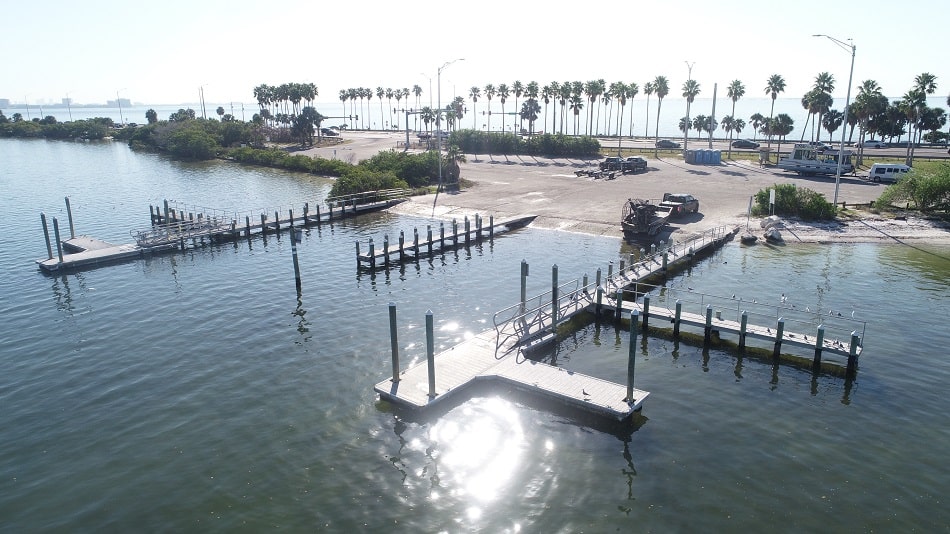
<point>429,245</point>
<point>174,226</point>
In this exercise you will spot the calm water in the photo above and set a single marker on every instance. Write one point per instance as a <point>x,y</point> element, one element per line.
<point>197,391</point>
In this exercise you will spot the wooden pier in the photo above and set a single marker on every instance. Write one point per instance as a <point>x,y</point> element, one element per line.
<point>175,226</point>
<point>430,245</point>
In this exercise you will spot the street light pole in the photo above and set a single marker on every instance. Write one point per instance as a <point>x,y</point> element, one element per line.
<point>686,129</point>
<point>438,113</point>
<point>847,100</point>
<point>118,101</point>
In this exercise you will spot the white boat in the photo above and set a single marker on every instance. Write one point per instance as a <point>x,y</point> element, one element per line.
<point>806,159</point>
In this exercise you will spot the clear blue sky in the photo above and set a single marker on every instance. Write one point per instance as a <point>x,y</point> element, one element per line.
<point>161,52</point>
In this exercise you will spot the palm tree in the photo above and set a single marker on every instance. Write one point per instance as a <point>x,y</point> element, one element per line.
<point>399,93</point>
<point>774,86</point>
<point>474,93</point>
<point>662,88</point>
<point>529,111</point>
<point>518,89</point>
<point>564,95</point>
<point>632,90</point>
<point>416,90</point>
<point>781,126</point>
<point>831,121</point>
<point>577,104</point>
<point>924,84</point>
<point>547,93</point>
<point>489,94</point>
<point>690,90</point>
<point>735,91</point>
<point>757,120</point>
<point>503,93</point>
<point>699,124</point>
<point>731,124</point>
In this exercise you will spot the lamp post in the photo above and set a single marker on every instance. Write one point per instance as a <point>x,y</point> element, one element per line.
<point>686,129</point>
<point>438,115</point>
<point>847,100</point>
<point>69,106</point>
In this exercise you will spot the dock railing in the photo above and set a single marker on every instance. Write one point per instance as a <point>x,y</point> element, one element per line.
<point>174,232</point>
<point>537,315</point>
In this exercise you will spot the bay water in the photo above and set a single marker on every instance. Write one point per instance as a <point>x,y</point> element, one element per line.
<point>198,391</point>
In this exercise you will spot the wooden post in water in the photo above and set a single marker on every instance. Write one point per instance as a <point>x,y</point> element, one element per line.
<point>165,220</point>
<point>290,213</point>
<point>646,312</point>
<point>151,215</point>
<point>415,243</point>
<point>491,227</point>
<point>429,238</point>
<point>430,353</point>
<point>306,215</point>
<point>441,237</point>
<point>402,243</point>
<point>478,227</point>
<point>676,318</point>
<point>59,243</point>
<point>393,340</point>
<point>619,304</point>
<point>632,355</point>
<point>597,278</point>
<point>277,221</point>
<point>524,285</point>
<point>372,254</point>
<point>852,351</point>
<point>69,214</point>
<point>665,255</point>
<point>600,298</point>
<point>386,250</point>
<point>357,253</point>
<point>467,232</point>
<point>707,330</point>
<point>247,226</point>
<point>743,324</point>
<point>779,331</point>
<point>554,298</point>
<point>819,346</point>
<point>319,220</point>
<point>49,247</point>
<point>293,249</point>
<point>263,224</point>
<point>455,232</point>
<point>610,270</point>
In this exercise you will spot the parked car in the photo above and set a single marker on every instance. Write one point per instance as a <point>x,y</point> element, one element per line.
<point>744,143</point>
<point>821,146</point>
<point>873,144</point>
<point>329,132</point>
<point>680,204</point>
<point>666,143</point>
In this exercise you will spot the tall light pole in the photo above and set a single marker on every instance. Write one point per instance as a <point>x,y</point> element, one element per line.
<point>438,115</point>
<point>69,106</point>
<point>686,130</point>
<point>847,100</point>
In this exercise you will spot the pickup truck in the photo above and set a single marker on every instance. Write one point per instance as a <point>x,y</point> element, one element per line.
<point>624,165</point>
<point>680,203</point>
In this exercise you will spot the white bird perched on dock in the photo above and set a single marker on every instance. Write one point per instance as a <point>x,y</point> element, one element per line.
<point>784,298</point>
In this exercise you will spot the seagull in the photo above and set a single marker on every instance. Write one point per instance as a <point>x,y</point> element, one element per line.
<point>733,296</point>
<point>784,298</point>
<point>852,314</point>
<point>584,391</point>
<point>769,330</point>
<point>807,309</point>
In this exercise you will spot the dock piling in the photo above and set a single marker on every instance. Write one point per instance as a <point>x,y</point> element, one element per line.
<point>402,243</point>
<point>491,227</point>
<point>357,253</point>
<point>619,304</point>
<point>430,353</point>
<point>852,351</point>
<point>467,231</point>
<point>779,331</point>
<point>819,345</point>
<point>372,254</point>
<point>646,312</point>
<point>455,232</point>
<point>247,226</point>
<point>429,238</point>
<point>393,340</point>
<point>306,217</point>
<point>386,250</point>
<point>554,298</point>
<point>524,285</point>
<point>441,237</point>
<point>59,243</point>
<point>166,210</point>
<point>49,247</point>
<point>632,355</point>
<point>263,224</point>
<point>742,329</point>
<point>277,220</point>
<point>676,318</point>
<point>415,243</point>
<point>707,330</point>
<point>69,214</point>
<point>600,298</point>
<point>293,249</point>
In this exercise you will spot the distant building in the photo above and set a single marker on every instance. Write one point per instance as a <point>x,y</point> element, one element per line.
<point>67,101</point>
<point>120,102</point>
<point>4,102</point>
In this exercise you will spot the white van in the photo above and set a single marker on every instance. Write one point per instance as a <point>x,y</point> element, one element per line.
<point>887,172</point>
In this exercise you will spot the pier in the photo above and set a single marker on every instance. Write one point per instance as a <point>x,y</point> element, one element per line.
<point>175,225</point>
<point>429,245</point>
<point>502,354</point>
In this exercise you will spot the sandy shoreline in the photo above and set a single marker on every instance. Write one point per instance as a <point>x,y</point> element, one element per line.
<point>515,186</point>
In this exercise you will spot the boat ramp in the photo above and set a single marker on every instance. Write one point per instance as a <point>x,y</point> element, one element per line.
<point>502,354</point>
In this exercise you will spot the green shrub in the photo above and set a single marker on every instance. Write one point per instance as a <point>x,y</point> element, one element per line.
<point>792,201</point>
<point>927,187</point>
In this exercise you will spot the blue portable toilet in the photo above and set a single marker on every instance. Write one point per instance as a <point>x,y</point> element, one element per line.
<point>690,156</point>
<point>717,157</point>
<point>704,157</point>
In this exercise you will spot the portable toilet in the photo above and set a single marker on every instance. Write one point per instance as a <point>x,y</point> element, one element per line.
<point>717,157</point>
<point>690,156</point>
<point>704,157</point>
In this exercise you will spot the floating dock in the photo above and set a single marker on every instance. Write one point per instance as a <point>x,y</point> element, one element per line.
<point>500,354</point>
